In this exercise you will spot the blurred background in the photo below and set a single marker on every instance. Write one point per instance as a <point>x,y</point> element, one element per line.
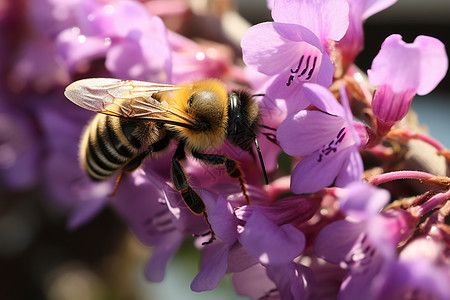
<point>41,259</point>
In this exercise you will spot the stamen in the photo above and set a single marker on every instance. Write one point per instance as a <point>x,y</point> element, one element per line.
<point>312,69</point>
<point>299,64</point>
<point>306,68</point>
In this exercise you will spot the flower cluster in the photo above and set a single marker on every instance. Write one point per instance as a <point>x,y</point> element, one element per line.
<point>329,135</point>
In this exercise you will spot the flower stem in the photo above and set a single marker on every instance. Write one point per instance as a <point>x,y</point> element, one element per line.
<point>386,177</point>
<point>430,204</point>
<point>411,134</point>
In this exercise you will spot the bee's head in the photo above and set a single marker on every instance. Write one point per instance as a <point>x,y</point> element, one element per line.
<point>243,117</point>
<point>243,123</point>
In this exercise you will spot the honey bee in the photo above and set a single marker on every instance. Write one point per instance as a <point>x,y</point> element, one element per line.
<point>137,118</point>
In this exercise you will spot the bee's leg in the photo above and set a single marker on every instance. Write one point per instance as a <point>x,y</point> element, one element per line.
<point>132,165</point>
<point>190,197</point>
<point>136,161</point>
<point>116,186</point>
<point>231,166</point>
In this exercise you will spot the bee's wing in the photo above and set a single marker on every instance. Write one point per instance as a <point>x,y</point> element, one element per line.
<point>126,98</point>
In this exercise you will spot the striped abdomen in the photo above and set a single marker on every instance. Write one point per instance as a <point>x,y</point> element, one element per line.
<point>109,143</point>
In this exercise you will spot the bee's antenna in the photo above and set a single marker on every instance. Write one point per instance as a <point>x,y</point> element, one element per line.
<point>261,161</point>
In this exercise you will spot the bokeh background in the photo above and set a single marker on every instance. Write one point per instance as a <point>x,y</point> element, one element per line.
<point>41,259</point>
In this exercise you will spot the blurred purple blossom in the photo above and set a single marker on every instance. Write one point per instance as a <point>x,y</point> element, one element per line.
<point>366,241</point>
<point>133,50</point>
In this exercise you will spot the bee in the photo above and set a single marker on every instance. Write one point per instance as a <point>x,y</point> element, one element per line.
<point>138,118</point>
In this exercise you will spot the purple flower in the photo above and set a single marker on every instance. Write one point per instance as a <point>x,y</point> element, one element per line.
<point>256,234</point>
<point>400,71</point>
<point>417,273</point>
<point>291,53</point>
<point>353,41</point>
<point>366,241</point>
<point>328,20</point>
<point>49,17</point>
<point>195,61</point>
<point>19,148</point>
<point>68,186</point>
<point>150,220</point>
<point>134,50</point>
<point>218,256</point>
<point>38,67</point>
<point>328,138</point>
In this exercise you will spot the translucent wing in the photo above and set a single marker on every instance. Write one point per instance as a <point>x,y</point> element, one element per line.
<point>126,98</point>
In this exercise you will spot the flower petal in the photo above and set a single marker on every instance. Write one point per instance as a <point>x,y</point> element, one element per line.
<point>166,247</point>
<point>336,240</point>
<point>291,280</point>
<point>239,259</point>
<point>371,7</point>
<point>274,47</point>
<point>223,221</point>
<point>318,171</point>
<point>361,200</point>
<point>253,282</point>
<point>307,131</point>
<point>264,48</point>
<point>419,66</point>
<point>327,19</point>
<point>140,58</point>
<point>269,243</point>
<point>75,47</point>
<point>352,170</point>
<point>214,265</point>
<point>323,99</point>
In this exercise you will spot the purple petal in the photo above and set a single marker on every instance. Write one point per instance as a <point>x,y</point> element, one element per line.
<point>294,97</point>
<point>275,47</point>
<point>163,251</point>
<point>273,51</point>
<point>356,283</point>
<point>290,280</point>
<point>371,7</point>
<point>327,19</point>
<point>75,47</point>
<point>269,243</point>
<point>388,229</point>
<point>142,20</point>
<point>148,217</point>
<point>419,66</point>
<point>271,47</point>
<point>307,131</point>
<point>336,240</point>
<point>214,265</point>
<point>352,170</point>
<point>141,58</point>
<point>85,211</point>
<point>239,259</point>
<point>348,115</point>
<point>223,221</point>
<point>323,99</point>
<point>253,283</point>
<point>361,200</point>
<point>420,277</point>
<point>317,171</point>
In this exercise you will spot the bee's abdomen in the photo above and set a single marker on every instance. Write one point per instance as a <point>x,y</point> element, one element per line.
<point>108,143</point>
